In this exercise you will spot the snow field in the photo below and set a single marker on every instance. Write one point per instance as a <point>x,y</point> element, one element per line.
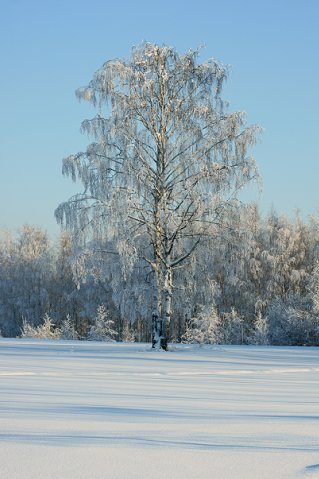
<point>92,410</point>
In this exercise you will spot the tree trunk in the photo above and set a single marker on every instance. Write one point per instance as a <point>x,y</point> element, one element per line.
<point>168,295</point>
<point>156,330</point>
<point>157,321</point>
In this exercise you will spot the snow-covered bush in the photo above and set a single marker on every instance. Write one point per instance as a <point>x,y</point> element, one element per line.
<point>68,330</point>
<point>233,329</point>
<point>102,329</point>
<point>28,331</point>
<point>209,327</point>
<point>260,333</point>
<point>204,328</point>
<point>43,331</point>
<point>292,323</point>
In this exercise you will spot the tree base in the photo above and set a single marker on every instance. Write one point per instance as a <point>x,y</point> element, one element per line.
<point>161,344</point>
<point>164,344</point>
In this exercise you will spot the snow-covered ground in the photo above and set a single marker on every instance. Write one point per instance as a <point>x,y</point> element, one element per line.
<point>88,410</point>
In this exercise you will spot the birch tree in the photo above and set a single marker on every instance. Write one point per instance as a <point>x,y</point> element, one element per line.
<point>166,161</point>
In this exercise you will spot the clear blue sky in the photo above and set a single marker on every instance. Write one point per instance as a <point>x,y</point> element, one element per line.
<point>51,47</point>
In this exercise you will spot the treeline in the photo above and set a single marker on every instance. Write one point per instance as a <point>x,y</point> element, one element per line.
<point>256,281</point>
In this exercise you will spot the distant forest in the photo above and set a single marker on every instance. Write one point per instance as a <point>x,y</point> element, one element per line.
<point>255,282</point>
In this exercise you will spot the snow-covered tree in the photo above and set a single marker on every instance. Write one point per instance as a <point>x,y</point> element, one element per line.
<point>204,328</point>
<point>233,329</point>
<point>28,331</point>
<point>166,162</point>
<point>315,289</point>
<point>25,278</point>
<point>127,333</point>
<point>260,333</point>
<point>68,330</point>
<point>64,300</point>
<point>46,330</point>
<point>102,329</point>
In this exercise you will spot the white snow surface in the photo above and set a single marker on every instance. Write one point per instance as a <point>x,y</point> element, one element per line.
<point>92,410</point>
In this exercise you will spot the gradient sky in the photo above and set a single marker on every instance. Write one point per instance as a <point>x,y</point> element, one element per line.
<point>51,47</point>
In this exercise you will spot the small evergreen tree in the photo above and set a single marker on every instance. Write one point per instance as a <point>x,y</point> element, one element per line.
<point>68,330</point>
<point>102,329</point>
